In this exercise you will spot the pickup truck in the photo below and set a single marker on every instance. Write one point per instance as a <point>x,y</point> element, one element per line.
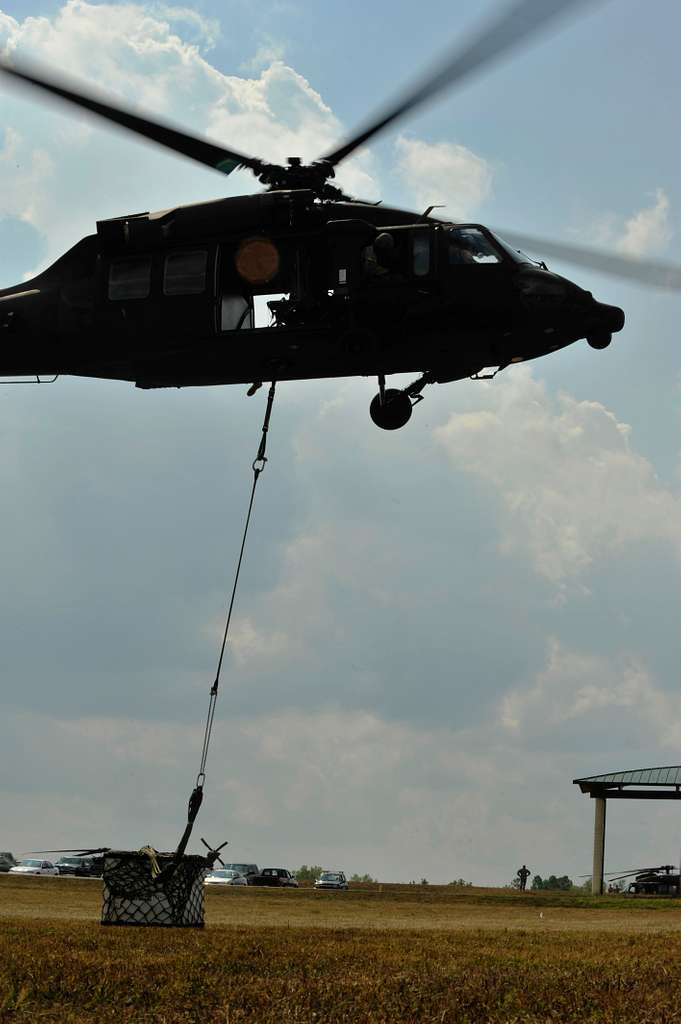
<point>279,877</point>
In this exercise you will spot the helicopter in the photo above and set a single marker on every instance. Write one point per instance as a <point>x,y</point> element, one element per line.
<point>89,862</point>
<point>84,863</point>
<point>352,288</point>
<point>659,881</point>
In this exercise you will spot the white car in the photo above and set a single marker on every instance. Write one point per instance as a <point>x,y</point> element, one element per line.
<point>331,880</point>
<point>225,876</point>
<point>34,867</point>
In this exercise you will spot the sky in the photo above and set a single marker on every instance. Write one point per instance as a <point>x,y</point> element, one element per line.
<point>437,629</point>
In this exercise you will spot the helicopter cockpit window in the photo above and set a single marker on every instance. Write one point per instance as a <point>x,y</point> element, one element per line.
<point>185,272</point>
<point>130,278</point>
<point>516,255</point>
<point>421,255</point>
<point>470,245</point>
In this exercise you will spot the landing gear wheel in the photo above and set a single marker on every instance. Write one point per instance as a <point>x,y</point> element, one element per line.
<point>393,412</point>
<point>600,340</point>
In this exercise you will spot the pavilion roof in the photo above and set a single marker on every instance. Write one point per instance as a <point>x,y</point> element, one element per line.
<point>670,776</point>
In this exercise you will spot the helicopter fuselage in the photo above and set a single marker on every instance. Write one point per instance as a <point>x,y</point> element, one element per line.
<point>171,299</point>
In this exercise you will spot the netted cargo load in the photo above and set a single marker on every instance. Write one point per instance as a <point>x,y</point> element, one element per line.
<point>148,888</point>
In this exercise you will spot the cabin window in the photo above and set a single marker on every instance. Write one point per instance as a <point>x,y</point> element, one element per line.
<point>421,255</point>
<point>130,278</point>
<point>236,313</point>
<point>185,272</point>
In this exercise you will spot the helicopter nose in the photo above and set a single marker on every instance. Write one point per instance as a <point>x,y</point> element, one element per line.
<point>603,321</point>
<point>611,317</point>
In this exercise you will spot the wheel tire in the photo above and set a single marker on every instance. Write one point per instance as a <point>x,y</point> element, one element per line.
<point>394,412</point>
<point>600,340</point>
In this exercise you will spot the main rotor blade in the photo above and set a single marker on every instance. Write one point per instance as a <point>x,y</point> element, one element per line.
<point>207,153</point>
<point>517,25</point>
<point>78,850</point>
<point>626,874</point>
<point>640,871</point>
<point>620,874</point>
<point>648,272</point>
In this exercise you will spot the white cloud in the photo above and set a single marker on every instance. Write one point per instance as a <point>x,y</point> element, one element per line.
<point>348,789</point>
<point>572,489</point>
<point>444,173</point>
<point>406,790</point>
<point>206,30</point>
<point>281,115</point>
<point>62,169</point>
<point>295,614</point>
<point>250,643</point>
<point>647,232</point>
<point>393,799</point>
<point>269,51</point>
<point>575,688</point>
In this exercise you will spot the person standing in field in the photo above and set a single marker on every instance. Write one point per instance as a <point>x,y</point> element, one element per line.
<point>523,875</point>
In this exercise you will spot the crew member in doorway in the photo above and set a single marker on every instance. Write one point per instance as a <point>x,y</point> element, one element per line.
<point>523,875</point>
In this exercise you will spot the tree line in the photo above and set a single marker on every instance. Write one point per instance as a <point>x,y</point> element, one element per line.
<point>555,883</point>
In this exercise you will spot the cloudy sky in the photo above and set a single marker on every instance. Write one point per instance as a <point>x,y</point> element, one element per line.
<point>437,629</point>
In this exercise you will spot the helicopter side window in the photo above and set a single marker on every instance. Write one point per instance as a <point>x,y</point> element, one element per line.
<point>185,272</point>
<point>421,255</point>
<point>130,278</point>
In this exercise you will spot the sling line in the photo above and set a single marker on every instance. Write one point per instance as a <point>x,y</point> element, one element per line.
<point>196,797</point>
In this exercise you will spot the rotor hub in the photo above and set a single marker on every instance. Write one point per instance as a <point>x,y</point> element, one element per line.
<point>297,175</point>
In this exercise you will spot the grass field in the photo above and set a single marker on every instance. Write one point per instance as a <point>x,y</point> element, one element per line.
<point>389,954</point>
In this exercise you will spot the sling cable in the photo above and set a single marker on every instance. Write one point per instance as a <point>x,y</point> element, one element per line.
<point>196,797</point>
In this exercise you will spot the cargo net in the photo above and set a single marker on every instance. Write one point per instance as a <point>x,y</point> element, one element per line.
<point>150,888</point>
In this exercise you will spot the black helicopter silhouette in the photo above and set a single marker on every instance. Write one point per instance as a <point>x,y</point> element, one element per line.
<point>167,299</point>
<point>89,862</point>
<point>84,863</point>
<point>659,881</point>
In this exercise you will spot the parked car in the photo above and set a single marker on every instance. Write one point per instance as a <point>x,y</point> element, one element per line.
<point>82,867</point>
<point>34,867</point>
<point>248,870</point>
<point>224,876</point>
<point>280,877</point>
<point>331,880</point>
<point>7,861</point>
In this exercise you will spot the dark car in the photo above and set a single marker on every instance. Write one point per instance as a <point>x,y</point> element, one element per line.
<point>248,870</point>
<point>81,867</point>
<point>7,860</point>
<point>278,877</point>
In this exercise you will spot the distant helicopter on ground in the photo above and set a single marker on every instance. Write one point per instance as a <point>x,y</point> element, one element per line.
<point>86,863</point>
<point>167,299</point>
<point>660,881</point>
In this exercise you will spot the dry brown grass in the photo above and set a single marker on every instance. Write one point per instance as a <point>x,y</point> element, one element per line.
<point>401,954</point>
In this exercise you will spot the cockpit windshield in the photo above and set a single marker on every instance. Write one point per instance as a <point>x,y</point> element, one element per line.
<point>515,254</point>
<point>471,245</point>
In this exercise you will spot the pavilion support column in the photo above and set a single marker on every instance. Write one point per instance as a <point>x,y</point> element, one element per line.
<point>599,846</point>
